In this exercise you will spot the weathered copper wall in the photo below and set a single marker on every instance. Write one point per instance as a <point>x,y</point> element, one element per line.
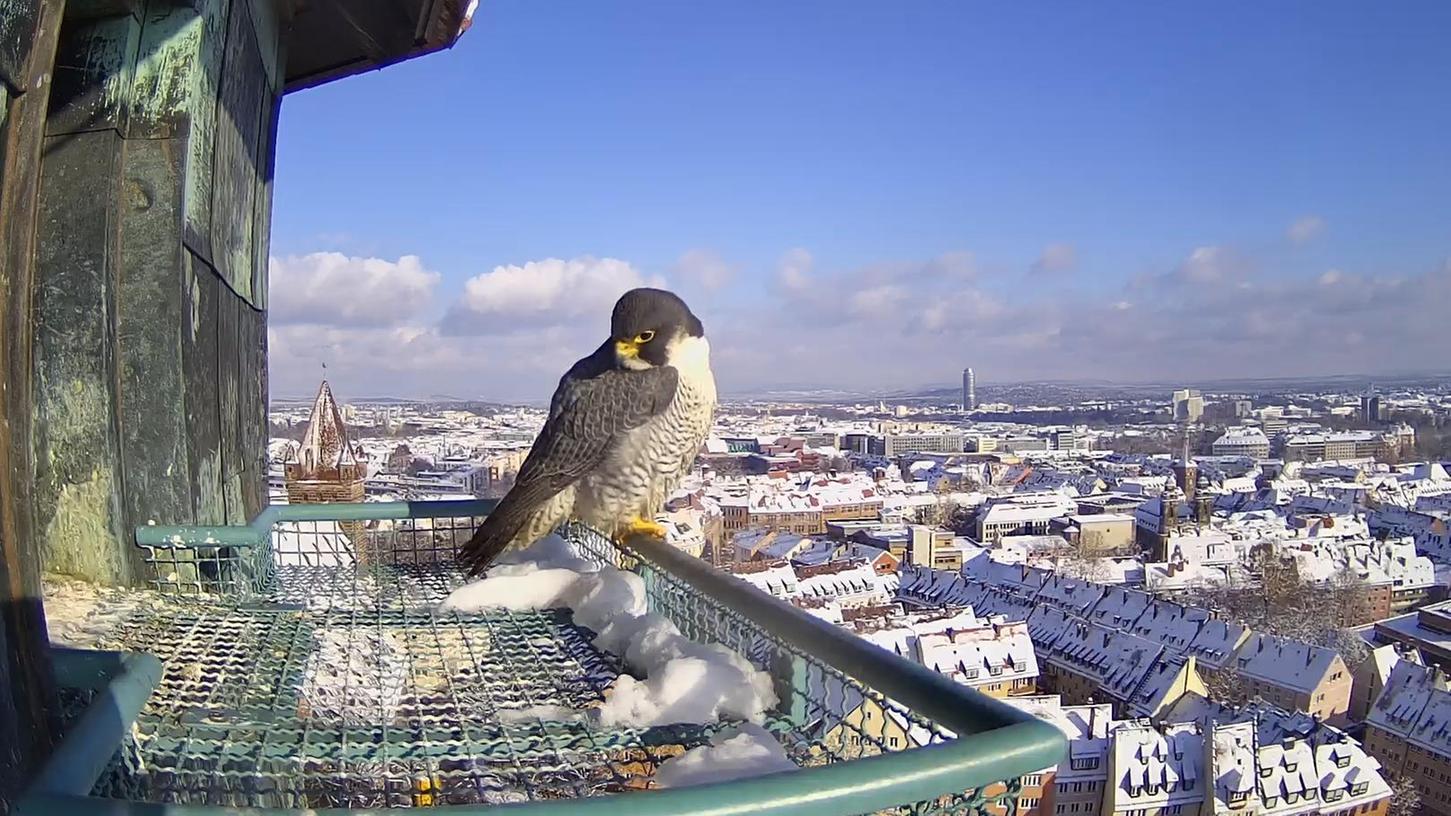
<point>150,356</point>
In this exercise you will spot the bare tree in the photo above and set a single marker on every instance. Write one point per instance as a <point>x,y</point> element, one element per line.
<point>1227,686</point>
<point>959,519</point>
<point>1405,797</point>
<point>1072,561</point>
<point>1282,604</point>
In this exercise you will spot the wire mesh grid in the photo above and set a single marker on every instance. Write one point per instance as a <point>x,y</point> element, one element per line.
<point>327,679</point>
<point>196,568</point>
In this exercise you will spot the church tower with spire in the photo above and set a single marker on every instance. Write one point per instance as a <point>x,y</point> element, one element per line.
<point>325,468</point>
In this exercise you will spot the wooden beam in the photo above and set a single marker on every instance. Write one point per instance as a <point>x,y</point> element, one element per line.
<point>18,21</point>
<point>29,31</point>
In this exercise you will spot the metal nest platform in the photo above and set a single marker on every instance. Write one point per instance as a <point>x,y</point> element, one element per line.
<point>306,666</point>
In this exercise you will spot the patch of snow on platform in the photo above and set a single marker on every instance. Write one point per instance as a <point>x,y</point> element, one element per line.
<point>685,681</point>
<point>355,676</point>
<point>748,751</point>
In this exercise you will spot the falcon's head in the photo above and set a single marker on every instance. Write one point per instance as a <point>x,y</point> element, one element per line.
<point>649,325</point>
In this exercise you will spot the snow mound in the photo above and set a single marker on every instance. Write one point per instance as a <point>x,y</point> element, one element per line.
<point>356,677</point>
<point>521,590</point>
<point>546,713</point>
<point>745,752</point>
<point>685,681</point>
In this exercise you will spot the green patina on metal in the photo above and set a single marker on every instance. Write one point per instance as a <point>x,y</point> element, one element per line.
<point>269,40</point>
<point>232,498</point>
<point>172,41</point>
<point>192,288</point>
<point>212,508</point>
<point>206,83</point>
<point>108,60</point>
<point>79,537</point>
<point>177,81</point>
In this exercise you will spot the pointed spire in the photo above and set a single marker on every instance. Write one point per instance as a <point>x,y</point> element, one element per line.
<point>326,443</point>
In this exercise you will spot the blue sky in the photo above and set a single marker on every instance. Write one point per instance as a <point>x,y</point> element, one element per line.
<point>1071,160</point>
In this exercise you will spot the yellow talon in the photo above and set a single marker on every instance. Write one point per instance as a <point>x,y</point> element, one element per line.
<point>642,527</point>
<point>424,787</point>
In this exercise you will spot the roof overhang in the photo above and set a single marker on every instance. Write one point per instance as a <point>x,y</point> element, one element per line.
<point>332,39</point>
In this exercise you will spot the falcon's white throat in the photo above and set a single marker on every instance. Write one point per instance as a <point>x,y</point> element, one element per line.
<point>634,363</point>
<point>690,356</point>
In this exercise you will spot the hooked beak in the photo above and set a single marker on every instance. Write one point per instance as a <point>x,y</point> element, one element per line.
<point>627,349</point>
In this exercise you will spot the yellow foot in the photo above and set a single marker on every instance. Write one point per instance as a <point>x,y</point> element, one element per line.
<point>641,527</point>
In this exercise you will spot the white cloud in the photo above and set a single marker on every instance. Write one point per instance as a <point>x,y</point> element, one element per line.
<point>547,292</point>
<point>420,361</point>
<point>1207,264</point>
<point>876,301</point>
<point>330,288</point>
<point>904,324</point>
<point>1056,258</point>
<point>703,268</point>
<point>956,265</point>
<point>1305,228</point>
<point>793,271</point>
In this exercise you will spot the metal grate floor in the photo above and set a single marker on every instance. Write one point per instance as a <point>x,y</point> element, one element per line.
<point>346,690</point>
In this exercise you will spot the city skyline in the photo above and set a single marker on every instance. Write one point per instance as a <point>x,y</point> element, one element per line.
<point>1168,195</point>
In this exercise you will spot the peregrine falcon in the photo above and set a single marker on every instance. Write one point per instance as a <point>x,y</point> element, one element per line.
<point>624,427</point>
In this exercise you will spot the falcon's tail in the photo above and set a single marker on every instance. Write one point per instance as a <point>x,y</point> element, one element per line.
<point>502,527</point>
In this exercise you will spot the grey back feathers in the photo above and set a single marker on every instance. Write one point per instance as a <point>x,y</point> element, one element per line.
<point>595,405</point>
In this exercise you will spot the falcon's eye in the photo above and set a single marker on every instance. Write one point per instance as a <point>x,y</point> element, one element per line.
<point>644,337</point>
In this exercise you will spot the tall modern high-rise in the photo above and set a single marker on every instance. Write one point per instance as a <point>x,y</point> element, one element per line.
<point>1188,405</point>
<point>969,390</point>
<point>1371,410</point>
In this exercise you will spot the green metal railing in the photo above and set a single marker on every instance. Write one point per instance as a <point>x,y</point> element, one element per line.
<point>307,667</point>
